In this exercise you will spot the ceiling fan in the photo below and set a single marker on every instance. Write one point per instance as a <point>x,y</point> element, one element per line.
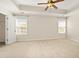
<point>51,3</point>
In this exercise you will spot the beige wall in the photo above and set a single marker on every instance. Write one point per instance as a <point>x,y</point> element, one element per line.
<point>2,28</point>
<point>73,26</point>
<point>40,28</point>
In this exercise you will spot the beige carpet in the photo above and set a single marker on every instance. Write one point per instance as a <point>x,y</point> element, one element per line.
<point>41,49</point>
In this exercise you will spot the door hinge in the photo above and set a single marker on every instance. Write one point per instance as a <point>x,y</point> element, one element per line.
<point>7,18</point>
<point>7,29</point>
<point>7,40</point>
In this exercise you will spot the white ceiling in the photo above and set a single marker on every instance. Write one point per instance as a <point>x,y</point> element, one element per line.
<point>24,6</point>
<point>8,5</point>
<point>66,4</point>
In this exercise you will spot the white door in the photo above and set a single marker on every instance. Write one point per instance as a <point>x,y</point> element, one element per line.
<point>10,30</point>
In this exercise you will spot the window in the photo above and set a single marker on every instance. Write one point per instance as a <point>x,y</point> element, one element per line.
<point>61,26</point>
<point>21,25</point>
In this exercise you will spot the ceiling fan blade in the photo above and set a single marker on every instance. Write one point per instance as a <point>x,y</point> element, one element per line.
<point>46,8</point>
<point>42,3</point>
<point>55,6</point>
<point>58,1</point>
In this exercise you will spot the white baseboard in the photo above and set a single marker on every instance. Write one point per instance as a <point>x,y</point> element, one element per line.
<point>73,39</point>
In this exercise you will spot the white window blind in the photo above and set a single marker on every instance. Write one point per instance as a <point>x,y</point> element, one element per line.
<point>21,25</point>
<point>61,26</point>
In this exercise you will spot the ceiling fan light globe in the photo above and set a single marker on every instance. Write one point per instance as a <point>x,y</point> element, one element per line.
<point>50,5</point>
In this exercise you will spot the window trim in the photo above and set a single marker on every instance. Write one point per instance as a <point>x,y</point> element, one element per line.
<point>61,19</point>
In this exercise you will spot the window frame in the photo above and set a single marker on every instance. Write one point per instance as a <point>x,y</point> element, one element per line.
<point>62,19</point>
<point>23,33</point>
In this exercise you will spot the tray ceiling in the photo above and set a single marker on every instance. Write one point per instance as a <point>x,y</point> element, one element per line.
<point>66,4</point>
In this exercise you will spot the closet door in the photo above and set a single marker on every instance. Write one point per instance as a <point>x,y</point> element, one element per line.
<point>10,30</point>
